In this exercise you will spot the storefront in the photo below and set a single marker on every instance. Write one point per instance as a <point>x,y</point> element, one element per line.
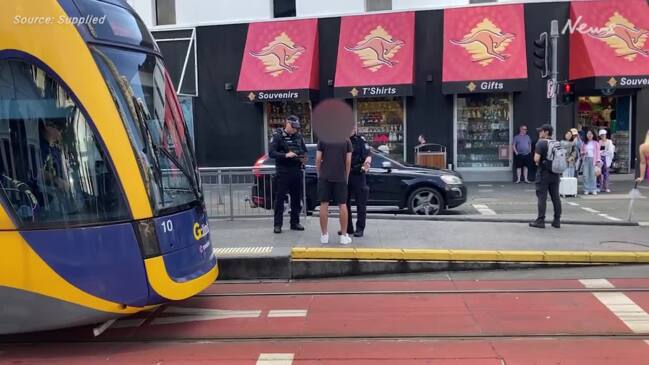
<point>374,68</point>
<point>484,64</point>
<point>280,70</point>
<point>609,64</point>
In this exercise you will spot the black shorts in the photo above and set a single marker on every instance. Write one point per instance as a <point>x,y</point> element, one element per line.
<point>333,192</point>
<point>522,160</point>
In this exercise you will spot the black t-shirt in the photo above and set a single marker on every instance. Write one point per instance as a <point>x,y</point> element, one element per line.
<point>334,156</point>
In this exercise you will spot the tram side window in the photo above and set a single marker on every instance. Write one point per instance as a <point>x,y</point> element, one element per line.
<point>55,171</point>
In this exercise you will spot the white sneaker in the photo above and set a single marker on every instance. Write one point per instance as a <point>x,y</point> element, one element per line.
<point>324,239</point>
<point>345,239</point>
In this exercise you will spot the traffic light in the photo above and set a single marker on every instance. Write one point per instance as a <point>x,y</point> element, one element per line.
<point>566,92</point>
<point>542,55</point>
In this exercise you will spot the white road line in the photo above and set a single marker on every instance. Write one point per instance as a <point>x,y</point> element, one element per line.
<point>573,204</point>
<point>590,210</point>
<point>484,209</point>
<point>285,313</point>
<point>484,185</point>
<point>97,331</point>
<point>275,359</point>
<point>621,305</point>
<point>243,251</point>
<point>644,224</point>
<point>610,217</point>
<point>485,190</point>
<point>596,283</point>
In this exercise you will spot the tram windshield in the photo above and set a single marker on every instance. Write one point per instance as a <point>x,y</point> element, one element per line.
<point>148,104</point>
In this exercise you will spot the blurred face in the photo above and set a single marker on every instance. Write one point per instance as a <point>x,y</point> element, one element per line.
<point>523,130</point>
<point>354,130</point>
<point>289,128</point>
<point>543,134</point>
<point>53,133</point>
<point>602,136</point>
<point>590,135</point>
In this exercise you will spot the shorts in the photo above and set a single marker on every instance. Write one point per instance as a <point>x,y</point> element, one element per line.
<point>521,161</point>
<point>333,192</point>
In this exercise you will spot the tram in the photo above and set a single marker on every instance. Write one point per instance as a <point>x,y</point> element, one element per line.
<point>101,210</point>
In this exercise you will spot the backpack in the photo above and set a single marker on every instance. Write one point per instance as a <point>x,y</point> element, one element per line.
<point>557,157</point>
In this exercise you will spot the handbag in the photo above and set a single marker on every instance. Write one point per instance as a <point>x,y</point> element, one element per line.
<point>598,171</point>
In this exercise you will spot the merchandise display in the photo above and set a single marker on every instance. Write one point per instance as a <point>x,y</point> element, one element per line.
<point>381,122</point>
<point>483,131</point>
<point>277,111</point>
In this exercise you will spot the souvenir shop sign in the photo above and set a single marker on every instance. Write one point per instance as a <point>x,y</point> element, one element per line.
<point>280,61</point>
<point>609,44</point>
<point>484,50</point>
<point>375,55</point>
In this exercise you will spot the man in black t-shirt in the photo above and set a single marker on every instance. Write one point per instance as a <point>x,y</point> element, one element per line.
<point>333,163</point>
<point>546,180</point>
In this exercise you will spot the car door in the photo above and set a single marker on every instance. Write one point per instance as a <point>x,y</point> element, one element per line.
<point>384,184</point>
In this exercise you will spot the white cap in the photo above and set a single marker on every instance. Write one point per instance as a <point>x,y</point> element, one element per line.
<point>602,131</point>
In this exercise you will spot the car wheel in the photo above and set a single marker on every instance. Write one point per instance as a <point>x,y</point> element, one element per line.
<point>425,201</point>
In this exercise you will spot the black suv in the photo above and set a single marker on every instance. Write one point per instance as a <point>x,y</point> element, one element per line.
<point>420,190</point>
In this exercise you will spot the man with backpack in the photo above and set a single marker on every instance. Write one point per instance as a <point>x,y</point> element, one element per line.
<point>550,157</point>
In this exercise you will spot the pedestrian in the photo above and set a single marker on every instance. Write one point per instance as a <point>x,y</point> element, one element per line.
<point>421,140</point>
<point>578,143</point>
<point>607,152</point>
<point>522,147</point>
<point>591,160</point>
<point>643,156</point>
<point>361,162</point>
<point>546,179</point>
<point>288,149</point>
<point>571,154</point>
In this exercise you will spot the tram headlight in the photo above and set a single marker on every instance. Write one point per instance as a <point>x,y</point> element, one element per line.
<point>147,238</point>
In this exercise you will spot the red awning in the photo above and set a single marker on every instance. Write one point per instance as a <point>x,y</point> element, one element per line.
<point>375,55</point>
<point>484,49</point>
<point>609,43</point>
<point>280,61</point>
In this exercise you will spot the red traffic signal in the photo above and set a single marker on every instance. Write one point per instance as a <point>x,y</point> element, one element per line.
<point>567,92</point>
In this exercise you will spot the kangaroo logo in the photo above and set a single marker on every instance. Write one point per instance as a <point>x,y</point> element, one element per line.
<point>279,55</point>
<point>485,43</point>
<point>626,39</point>
<point>377,49</point>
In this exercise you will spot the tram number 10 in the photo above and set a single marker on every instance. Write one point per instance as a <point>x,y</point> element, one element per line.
<point>167,226</point>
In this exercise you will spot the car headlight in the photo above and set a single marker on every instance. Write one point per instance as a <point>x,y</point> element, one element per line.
<point>451,179</point>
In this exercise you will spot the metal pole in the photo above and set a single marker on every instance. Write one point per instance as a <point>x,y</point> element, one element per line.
<point>231,201</point>
<point>554,37</point>
<point>304,194</point>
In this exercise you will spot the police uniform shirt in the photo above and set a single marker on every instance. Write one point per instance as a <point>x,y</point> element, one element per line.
<point>360,151</point>
<point>282,143</point>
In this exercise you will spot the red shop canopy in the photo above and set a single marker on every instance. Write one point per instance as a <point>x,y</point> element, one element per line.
<point>280,61</point>
<point>375,55</point>
<point>609,43</point>
<point>484,49</point>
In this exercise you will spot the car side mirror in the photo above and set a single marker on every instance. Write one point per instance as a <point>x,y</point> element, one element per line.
<point>387,165</point>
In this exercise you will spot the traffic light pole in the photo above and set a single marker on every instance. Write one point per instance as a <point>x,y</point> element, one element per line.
<point>554,38</point>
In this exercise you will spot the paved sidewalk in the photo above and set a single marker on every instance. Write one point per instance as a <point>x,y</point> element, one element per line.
<point>435,235</point>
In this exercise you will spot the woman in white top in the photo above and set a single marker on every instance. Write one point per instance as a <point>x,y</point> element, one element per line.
<point>591,159</point>
<point>607,151</point>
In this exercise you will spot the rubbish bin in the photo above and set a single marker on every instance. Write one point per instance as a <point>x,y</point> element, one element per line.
<point>431,155</point>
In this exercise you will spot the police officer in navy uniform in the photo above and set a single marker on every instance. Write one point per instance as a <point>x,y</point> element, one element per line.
<point>288,149</point>
<point>357,186</point>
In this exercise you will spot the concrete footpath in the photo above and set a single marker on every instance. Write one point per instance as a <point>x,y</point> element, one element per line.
<point>248,249</point>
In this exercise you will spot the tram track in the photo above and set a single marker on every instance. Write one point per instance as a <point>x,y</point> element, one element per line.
<point>424,292</point>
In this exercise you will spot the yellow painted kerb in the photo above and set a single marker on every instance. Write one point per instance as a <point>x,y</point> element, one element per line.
<point>304,253</point>
<point>162,283</point>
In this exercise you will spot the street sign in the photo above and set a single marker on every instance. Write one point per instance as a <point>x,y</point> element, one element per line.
<point>551,89</point>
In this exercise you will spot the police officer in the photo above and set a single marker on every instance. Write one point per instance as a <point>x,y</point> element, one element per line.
<point>361,161</point>
<point>289,151</point>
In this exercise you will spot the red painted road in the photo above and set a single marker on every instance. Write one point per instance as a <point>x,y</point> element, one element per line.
<point>344,328</point>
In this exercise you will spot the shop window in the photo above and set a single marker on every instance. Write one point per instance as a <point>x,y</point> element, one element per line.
<point>277,111</point>
<point>378,5</point>
<point>165,11</point>
<point>483,131</point>
<point>283,8</point>
<point>382,122</point>
<point>613,114</point>
<point>54,171</point>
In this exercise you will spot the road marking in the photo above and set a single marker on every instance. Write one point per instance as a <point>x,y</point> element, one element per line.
<point>275,359</point>
<point>285,313</point>
<point>611,197</point>
<point>596,283</point>
<point>97,331</point>
<point>485,190</point>
<point>621,305</point>
<point>484,185</point>
<point>484,209</point>
<point>573,204</point>
<point>590,210</point>
<point>610,217</point>
<point>644,224</point>
<point>243,251</point>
